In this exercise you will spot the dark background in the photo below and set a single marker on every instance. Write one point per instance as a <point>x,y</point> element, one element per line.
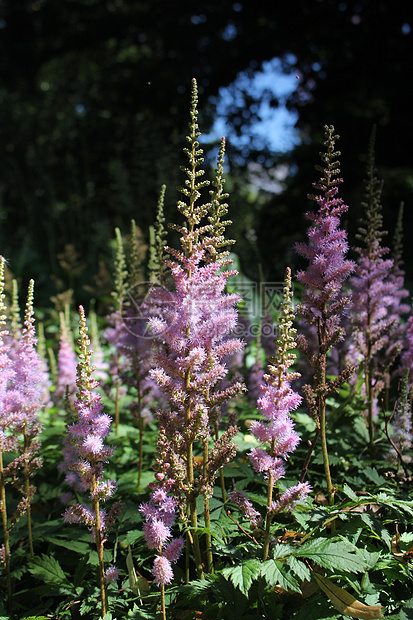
<point>94,107</point>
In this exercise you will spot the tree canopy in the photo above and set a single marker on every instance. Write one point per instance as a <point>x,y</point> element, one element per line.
<point>94,100</point>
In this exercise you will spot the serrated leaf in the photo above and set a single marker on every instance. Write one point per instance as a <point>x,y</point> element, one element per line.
<point>48,569</point>
<point>243,575</point>
<point>332,555</point>
<point>373,475</point>
<point>345,602</point>
<point>299,568</point>
<point>274,575</point>
<point>349,492</point>
<point>281,551</point>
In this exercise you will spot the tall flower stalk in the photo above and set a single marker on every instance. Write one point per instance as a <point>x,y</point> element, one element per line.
<point>21,397</point>
<point>194,321</point>
<point>8,441</point>
<point>30,380</point>
<point>376,292</point>
<point>323,301</point>
<point>276,403</point>
<point>89,453</point>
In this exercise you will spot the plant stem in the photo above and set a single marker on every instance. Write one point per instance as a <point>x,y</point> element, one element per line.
<point>221,469</point>
<point>163,607</point>
<point>321,402</point>
<point>3,509</point>
<point>268,520</point>
<point>208,538</point>
<point>322,413</point>
<point>140,424</point>
<point>27,493</point>
<point>99,548</point>
<point>117,406</point>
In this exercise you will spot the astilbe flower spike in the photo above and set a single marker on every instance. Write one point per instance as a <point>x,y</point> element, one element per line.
<point>192,325</point>
<point>21,398</point>
<point>375,294</point>
<point>27,399</point>
<point>8,441</point>
<point>323,301</point>
<point>86,435</point>
<point>276,403</point>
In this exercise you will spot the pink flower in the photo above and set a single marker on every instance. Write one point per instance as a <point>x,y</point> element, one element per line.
<point>174,550</point>
<point>111,574</point>
<point>162,570</point>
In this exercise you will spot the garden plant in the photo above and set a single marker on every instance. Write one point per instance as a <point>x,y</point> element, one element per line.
<point>209,448</point>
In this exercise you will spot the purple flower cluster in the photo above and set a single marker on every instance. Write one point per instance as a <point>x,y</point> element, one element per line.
<point>194,321</point>
<point>85,450</point>
<point>160,514</point>
<point>277,401</point>
<point>377,291</point>
<point>323,302</point>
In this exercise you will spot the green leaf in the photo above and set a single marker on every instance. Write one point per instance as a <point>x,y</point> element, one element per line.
<point>48,569</point>
<point>275,575</point>
<point>349,492</point>
<point>374,476</point>
<point>332,555</point>
<point>243,575</point>
<point>299,568</point>
<point>73,545</point>
<point>281,551</point>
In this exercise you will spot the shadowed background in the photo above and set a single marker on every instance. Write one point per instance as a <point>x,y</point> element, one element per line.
<point>94,107</point>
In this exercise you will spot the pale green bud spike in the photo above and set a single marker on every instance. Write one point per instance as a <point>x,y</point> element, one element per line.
<point>192,211</point>
<point>157,242</point>
<point>121,272</point>
<point>41,341</point>
<point>15,324</point>
<point>217,209</point>
<point>286,332</point>
<point>29,314</point>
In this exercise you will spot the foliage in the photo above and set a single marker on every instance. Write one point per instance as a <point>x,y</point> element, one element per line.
<point>312,557</point>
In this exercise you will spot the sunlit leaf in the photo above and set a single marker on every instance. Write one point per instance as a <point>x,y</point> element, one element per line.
<point>243,575</point>
<point>332,555</point>
<point>274,575</point>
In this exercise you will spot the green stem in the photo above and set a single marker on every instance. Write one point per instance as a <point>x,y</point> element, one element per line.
<point>268,520</point>
<point>321,404</point>
<point>99,548</point>
<point>221,469</point>
<point>140,423</point>
<point>3,509</point>
<point>323,434</point>
<point>27,494</point>
<point>208,538</point>
<point>163,607</point>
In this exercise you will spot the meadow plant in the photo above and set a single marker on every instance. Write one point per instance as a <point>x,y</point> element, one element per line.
<point>376,294</point>
<point>87,435</point>
<point>276,433</point>
<point>22,397</point>
<point>323,301</point>
<point>194,321</point>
